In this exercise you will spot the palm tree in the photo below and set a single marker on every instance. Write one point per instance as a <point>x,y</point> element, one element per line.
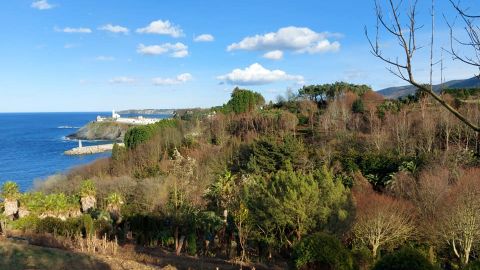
<point>10,195</point>
<point>114,204</point>
<point>87,195</point>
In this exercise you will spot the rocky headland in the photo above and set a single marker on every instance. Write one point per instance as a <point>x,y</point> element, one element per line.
<point>111,131</point>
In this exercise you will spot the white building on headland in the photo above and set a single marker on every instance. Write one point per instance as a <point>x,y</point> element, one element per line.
<point>139,120</point>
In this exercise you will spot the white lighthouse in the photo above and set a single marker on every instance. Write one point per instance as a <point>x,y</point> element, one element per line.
<point>115,116</point>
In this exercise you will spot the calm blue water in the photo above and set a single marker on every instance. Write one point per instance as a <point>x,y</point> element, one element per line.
<point>32,145</point>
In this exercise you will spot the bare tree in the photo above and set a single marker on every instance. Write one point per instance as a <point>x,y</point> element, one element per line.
<point>473,40</point>
<point>402,66</point>
<point>459,223</point>
<point>381,221</point>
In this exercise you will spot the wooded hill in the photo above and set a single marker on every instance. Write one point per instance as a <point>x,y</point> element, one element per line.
<point>332,177</point>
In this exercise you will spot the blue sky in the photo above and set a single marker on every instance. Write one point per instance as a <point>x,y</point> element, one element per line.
<point>95,55</point>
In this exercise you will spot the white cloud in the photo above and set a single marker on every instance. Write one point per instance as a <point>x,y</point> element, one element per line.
<point>162,28</point>
<point>105,58</point>
<point>177,50</point>
<point>122,80</point>
<point>42,5</point>
<point>296,39</point>
<point>204,38</point>
<point>180,79</point>
<point>70,30</point>
<point>70,46</point>
<point>114,29</point>
<point>322,46</point>
<point>257,75</point>
<point>274,55</point>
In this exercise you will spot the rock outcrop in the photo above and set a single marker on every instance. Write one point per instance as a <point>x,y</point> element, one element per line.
<point>111,131</point>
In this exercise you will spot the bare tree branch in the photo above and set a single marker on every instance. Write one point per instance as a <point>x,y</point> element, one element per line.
<point>408,45</point>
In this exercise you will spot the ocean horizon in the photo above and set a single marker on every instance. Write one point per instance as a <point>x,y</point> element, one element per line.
<point>32,144</point>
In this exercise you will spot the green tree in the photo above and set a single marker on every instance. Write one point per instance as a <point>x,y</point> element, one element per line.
<point>138,135</point>
<point>141,134</point>
<point>284,204</point>
<point>118,152</point>
<point>182,215</point>
<point>324,92</point>
<point>222,192</point>
<point>334,200</point>
<point>243,101</point>
<point>270,154</point>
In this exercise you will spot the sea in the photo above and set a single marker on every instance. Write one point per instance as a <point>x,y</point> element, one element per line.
<point>32,145</point>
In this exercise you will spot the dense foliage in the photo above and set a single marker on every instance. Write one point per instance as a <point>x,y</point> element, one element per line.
<point>322,251</point>
<point>140,134</point>
<point>404,259</point>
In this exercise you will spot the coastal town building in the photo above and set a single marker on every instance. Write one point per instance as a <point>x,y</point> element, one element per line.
<point>139,120</point>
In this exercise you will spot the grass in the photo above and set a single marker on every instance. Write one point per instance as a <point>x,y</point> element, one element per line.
<point>15,256</point>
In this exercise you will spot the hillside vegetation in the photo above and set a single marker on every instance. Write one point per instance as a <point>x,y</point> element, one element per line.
<point>331,177</point>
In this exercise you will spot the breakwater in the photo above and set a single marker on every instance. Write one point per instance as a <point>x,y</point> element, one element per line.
<point>89,150</point>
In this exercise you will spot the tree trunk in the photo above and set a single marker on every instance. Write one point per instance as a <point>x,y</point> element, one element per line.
<point>374,251</point>
<point>478,144</point>
<point>180,245</point>
<point>10,208</point>
<point>175,235</point>
<point>431,254</point>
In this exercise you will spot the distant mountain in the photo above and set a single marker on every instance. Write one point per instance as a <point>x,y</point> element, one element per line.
<point>147,111</point>
<point>402,91</point>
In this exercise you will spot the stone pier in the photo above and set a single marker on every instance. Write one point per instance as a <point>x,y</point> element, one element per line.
<point>89,150</point>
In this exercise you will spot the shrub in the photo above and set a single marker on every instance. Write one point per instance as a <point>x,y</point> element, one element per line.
<point>88,225</point>
<point>404,259</point>
<point>475,265</point>
<point>50,225</point>
<point>57,226</point>
<point>362,258</point>
<point>59,203</point>
<point>357,106</point>
<point>29,222</point>
<point>322,251</point>
<point>103,227</point>
<point>33,202</point>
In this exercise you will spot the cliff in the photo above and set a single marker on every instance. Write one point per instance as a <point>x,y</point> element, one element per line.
<point>101,131</point>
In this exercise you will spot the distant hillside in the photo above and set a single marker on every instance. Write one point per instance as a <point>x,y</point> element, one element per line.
<point>147,111</point>
<point>401,91</point>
